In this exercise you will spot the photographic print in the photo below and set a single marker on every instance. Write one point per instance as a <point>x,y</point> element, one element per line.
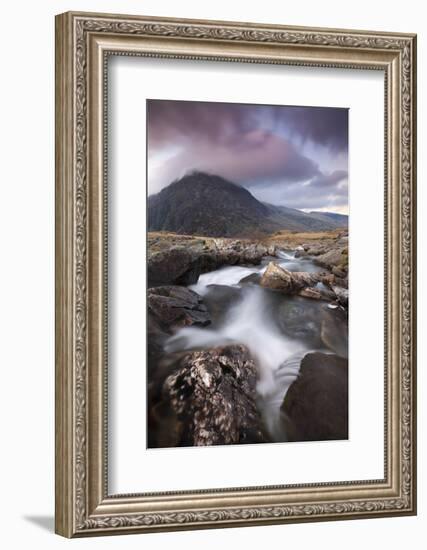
<point>247,273</point>
<point>209,289</point>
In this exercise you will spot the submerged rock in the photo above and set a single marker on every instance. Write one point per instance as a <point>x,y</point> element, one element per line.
<point>315,407</point>
<point>209,399</point>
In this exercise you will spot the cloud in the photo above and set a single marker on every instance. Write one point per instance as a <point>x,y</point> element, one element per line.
<point>259,147</point>
<point>324,191</point>
<point>327,127</point>
<point>328,180</point>
<point>252,159</point>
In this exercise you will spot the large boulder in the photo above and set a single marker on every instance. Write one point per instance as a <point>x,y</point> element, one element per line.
<point>337,258</point>
<point>176,306</point>
<point>289,282</point>
<point>169,308</point>
<point>171,266</point>
<point>315,407</point>
<point>209,399</point>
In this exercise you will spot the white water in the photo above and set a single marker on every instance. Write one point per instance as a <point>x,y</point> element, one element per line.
<point>232,275</point>
<point>285,255</point>
<point>251,321</point>
<point>248,322</point>
<point>229,275</point>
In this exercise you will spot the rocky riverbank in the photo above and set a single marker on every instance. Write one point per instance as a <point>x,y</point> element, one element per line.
<point>208,393</point>
<point>181,259</point>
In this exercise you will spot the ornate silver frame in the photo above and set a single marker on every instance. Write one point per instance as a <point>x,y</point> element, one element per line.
<point>83,42</point>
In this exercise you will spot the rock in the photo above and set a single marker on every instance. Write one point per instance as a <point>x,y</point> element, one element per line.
<point>210,399</point>
<point>219,298</point>
<point>300,253</point>
<point>289,282</point>
<point>252,278</point>
<point>329,259</point>
<point>176,306</point>
<point>315,407</point>
<point>342,282</point>
<point>298,319</point>
<point>339,272</point>
<point>325,292</point>
<point>341,294</point>
<point>334,330</point>
<point>310,293</point>
<point>168,308</point>
<point>179,260</point>
<point>170,266</point>
<point>328,280</point>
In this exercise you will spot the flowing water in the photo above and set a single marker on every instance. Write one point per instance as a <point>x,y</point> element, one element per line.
<point>278,330</point>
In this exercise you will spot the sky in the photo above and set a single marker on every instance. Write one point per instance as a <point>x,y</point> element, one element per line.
<point>290,156</point>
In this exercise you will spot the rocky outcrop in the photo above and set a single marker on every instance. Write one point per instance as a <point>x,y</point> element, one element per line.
<point>315,407</point>
<point>185,259</point>
<point>176,306</point>
<point>178,266</point>
<point>288,282</point>
<point>169,308</point>
<point>208,399</point>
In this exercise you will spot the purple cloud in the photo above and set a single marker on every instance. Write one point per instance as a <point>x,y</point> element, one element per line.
<point>259,147</point>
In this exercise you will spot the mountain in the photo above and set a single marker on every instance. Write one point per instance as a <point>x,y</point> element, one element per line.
<point>340,220</point>
<point>209,205</point>
<point>302,221</point>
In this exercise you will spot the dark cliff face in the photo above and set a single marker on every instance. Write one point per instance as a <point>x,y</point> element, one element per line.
<point>208,205</point>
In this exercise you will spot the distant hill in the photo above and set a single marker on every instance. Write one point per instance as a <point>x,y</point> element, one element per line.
<point>340,220</point>
<point>205,204</point>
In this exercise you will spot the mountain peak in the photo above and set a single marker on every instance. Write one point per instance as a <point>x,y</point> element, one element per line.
<point>207,204</point>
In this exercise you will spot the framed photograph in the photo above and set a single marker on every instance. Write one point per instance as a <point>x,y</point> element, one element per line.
<point>235,274</point>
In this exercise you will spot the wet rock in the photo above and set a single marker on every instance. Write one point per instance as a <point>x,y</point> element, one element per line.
<point>315,407</point>
<point>170,266</point>
<point>341,294</point>
<point>168,308</point>
<point>310,293</point>
<point>334,258</point>
<point>252,278</point>
<point>339,272</point>
<point>176,306</point>
<point>219,298</point>
<point>334,330</point>
<point>184,261</point>
<point>288,282</point>
<point>329,259</point>
<point>328,280</point>
<point>209,399</point>
<point>298,318</point>
<point>342,282</point>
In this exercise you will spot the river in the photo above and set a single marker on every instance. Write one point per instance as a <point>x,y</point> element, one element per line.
<point>277,329</point>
